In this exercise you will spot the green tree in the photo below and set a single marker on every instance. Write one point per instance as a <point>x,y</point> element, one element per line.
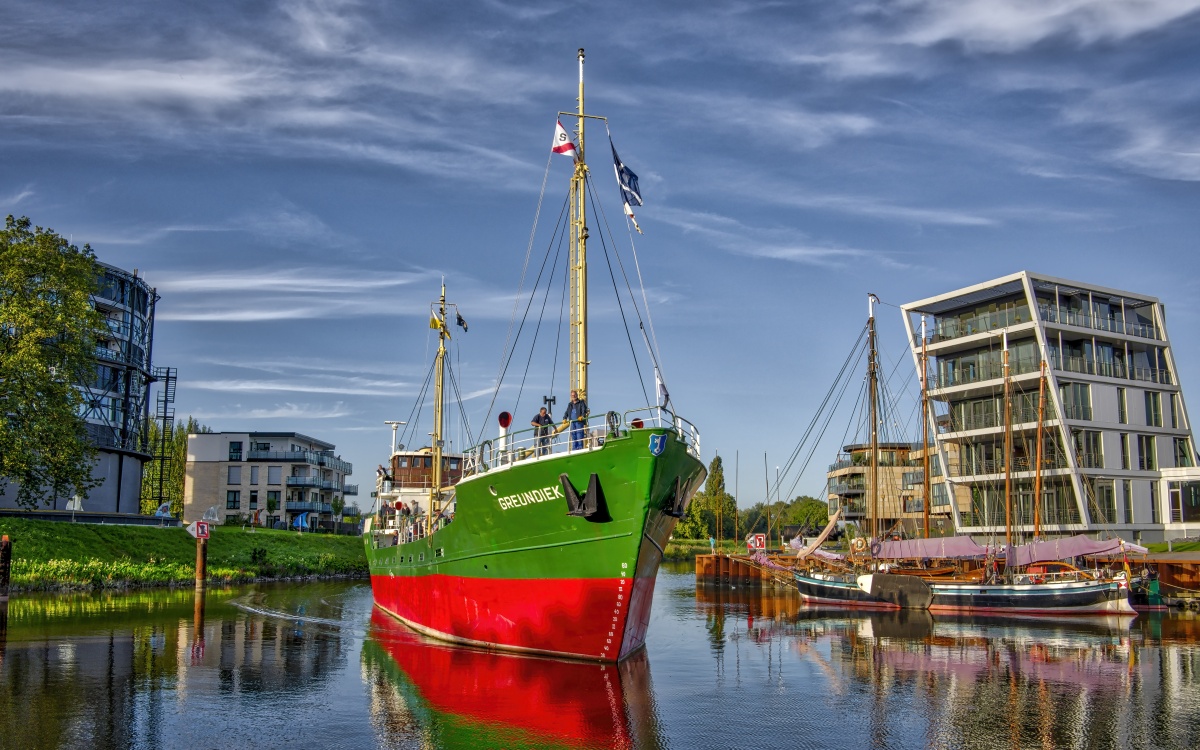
<point>336,506</point>
<point>700,521</point>
<point>809,513</point>
<point>48,335</point>
<point>172,490</point>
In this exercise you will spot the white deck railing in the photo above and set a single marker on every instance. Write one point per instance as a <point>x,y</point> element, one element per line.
<point>529,444</point>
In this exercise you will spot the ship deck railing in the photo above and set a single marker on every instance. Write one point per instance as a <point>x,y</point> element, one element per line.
<point>530,444</point>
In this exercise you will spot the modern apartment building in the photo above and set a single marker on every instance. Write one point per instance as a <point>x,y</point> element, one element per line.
<point>116,395</point>
<point>241,474</point>
<point>1117,447</point>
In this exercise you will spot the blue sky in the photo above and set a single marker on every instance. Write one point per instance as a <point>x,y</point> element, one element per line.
<point>296,177</point>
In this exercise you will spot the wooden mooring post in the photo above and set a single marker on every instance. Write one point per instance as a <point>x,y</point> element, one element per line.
<point>201,562</point>
<point>5,566</point>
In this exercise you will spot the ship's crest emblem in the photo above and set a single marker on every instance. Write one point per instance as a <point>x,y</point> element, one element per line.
<point>658,444</point>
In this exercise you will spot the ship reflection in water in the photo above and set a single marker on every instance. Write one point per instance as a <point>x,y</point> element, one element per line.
<point>916,679</point>
<point>455,697</point>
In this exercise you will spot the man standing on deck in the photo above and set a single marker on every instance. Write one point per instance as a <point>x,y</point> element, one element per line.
<point>577,415</point>
<point>541,430</point>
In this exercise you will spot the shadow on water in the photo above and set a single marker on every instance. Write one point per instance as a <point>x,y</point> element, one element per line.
<point>457,697</point>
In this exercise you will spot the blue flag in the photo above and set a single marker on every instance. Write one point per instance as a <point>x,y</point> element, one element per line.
<point>301,520</point>
<point>631,194</point>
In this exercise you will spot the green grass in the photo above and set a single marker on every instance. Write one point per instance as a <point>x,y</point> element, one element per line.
<point>55,555</point>
<point>1175,547</point>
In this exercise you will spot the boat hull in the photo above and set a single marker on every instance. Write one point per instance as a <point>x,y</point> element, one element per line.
<point>515,571</point>
<point>1082,597</point>
<point>843,591</point>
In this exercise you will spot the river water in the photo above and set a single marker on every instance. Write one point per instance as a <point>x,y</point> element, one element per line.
<point>312,665</point>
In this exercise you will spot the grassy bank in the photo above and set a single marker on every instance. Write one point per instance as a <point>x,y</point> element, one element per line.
<point>54,555</point>
<point>687,549</point>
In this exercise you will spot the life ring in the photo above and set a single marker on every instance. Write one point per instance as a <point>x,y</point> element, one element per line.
<point>858,544</point>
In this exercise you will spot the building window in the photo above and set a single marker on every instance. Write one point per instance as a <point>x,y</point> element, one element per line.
<point>235,450</point>
<point>1122,413</point>
<point>1077,401</point>
<point>1147,458</point>
<point>1154,516</point>
<point>1124,450</point>
<point>273,495</point>
<point>253,499</point>
<point>1183,453</point>
<point>274,475</point>
<point>235,475</point>
<point>253,475</point>
<point>233,500</point>
<point>260,446</point>
<point>1088,452</point>
<point>1127,491</point>
<point>1174,411</point>
<point>1154,409</point>
<point>1106,503</point>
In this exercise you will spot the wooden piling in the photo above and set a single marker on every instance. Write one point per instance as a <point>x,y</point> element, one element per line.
<point>5,565</point>
<point>201,562</point>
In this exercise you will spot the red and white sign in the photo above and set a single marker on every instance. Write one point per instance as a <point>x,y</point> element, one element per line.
<point>198,529</point>
<point>756,541</point>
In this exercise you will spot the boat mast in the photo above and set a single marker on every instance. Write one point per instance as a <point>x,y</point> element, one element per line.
<point>872,386</point>
<point>1007,450</point>
<point>435,490</point>
<point>1037,472</point>
<point>579,236</point>
<point>925,429</point>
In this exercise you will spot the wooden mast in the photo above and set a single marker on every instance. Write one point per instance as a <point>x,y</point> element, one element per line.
<point>1007,450</point>
<point>1037,472</point>
<point>872,386</point>
<point>925,429</point>
<point>435,490</point>
<point>578,275</point>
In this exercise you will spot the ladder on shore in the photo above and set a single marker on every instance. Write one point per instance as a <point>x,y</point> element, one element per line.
<point>165,416</point>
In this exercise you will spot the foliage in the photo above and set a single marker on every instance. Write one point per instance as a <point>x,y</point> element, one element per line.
<point>48,334</point>
<point>172,489</point>
<point>336,505</point>
<point>700,521</point>
<point>49,554</point>
<point>809,513</point>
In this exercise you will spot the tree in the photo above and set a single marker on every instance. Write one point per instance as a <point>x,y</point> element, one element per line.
<point>48,334</point>
<point>809,513</point>
<point>700,521</point>
<point>336,506</point>
<point>172,490</point>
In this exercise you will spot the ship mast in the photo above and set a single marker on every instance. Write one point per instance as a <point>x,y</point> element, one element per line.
<point>579,236</point>
<point>927,481</point>
<point>1037,472</point>
<point>435,489</point>
<point>1007,450</point>
<point>872,385</point>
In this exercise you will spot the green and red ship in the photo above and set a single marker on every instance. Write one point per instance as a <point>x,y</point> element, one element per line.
<point>547,544</point>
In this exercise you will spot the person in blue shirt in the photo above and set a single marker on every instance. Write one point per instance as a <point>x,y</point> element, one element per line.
<point>577,415</point>
<point>541,430</point>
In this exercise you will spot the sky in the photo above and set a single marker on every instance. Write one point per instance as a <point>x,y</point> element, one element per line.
<point>297,178</point>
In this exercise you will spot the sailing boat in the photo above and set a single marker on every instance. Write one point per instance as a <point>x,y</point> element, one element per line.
<point>834,579</point>
<point>553,545</point>
<point>1035,580</point>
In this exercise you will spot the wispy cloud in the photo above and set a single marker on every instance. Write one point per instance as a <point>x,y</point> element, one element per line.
<point>350,387</point>
<point>279,411</point>
<point>11,201</point>
<point>1013,25</point>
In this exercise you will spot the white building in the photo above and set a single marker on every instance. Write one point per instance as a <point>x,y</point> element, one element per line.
<point>1118,448</point>
<point>240,473</point>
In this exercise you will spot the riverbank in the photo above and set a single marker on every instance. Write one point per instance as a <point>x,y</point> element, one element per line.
<point>54,556</point>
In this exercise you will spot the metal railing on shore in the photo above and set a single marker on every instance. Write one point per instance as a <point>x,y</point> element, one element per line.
<point>535,443</point>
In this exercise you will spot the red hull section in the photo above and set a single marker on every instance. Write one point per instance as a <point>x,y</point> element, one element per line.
<point>559,616</point>
<point>577,705</point>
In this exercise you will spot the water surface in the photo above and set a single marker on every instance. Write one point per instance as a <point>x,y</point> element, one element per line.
<point>313,665</point>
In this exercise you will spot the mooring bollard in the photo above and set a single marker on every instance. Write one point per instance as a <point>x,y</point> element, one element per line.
<point>5,565</point>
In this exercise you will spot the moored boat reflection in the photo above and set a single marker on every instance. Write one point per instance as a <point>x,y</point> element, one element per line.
<point>452,696</point>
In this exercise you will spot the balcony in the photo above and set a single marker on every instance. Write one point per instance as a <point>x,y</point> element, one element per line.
<point>1114,369</point>
<point>350,489</point>
<point>293,506</point>
<point>953,328</point>
<point>1082,319</point>
<point>335,463</point>
<point>292,457</point>
<point>977,373</point>
<point>843,488</point>
<point>315,482</point>
<point>1090,460</point>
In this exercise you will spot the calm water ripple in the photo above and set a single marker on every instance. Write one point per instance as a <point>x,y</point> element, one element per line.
<point>314,665</point>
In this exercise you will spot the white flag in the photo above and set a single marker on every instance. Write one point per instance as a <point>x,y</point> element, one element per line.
<point>562,142</point>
